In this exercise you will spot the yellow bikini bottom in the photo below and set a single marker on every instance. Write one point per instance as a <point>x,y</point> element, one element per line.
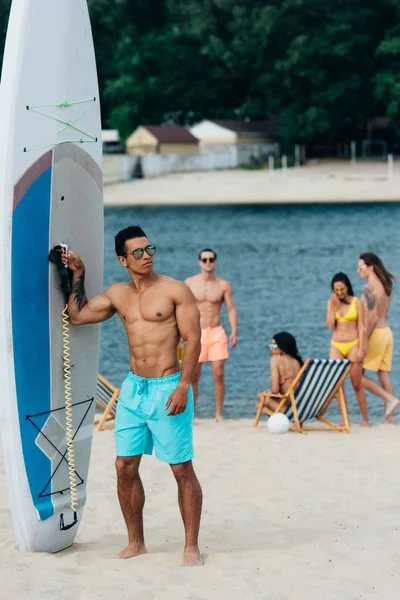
<point>344,347</point>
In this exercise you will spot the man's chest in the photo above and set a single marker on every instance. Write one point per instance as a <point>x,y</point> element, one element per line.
<point>208,292</point>
<point>151,306</point>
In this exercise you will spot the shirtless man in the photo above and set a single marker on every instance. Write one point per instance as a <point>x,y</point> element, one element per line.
<point>155,407</point>
<point>376,298</point>
<point>211,292</point>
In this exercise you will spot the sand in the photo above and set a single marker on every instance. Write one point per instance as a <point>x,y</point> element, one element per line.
<point>285,517</point>
<point>314,183</point>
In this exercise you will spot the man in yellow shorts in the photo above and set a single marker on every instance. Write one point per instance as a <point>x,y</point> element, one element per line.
<point>211,292</point>
<point>376,297</point>
<point>380,350</point>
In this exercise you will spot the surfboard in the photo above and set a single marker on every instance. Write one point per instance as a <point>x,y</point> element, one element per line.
<point>50,193</point>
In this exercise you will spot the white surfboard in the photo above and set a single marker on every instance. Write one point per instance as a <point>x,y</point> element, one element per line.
<point>50,192</point>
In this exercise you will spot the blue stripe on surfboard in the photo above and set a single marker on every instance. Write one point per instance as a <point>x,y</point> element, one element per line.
<point>30,327</point>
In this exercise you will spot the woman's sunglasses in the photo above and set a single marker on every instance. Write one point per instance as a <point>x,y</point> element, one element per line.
<point>273,346</point>
<point>204,260</point>
<point>138,253</point>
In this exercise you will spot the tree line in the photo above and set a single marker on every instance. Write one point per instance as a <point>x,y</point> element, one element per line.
<point>320,68</point>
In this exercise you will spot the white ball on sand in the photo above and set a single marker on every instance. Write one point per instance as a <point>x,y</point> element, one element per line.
<point>278,423</point>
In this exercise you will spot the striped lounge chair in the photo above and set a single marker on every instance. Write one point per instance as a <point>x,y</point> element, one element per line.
<point>318,382</point>
<point>106,399</point>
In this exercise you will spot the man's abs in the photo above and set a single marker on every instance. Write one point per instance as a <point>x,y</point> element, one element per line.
<point>153,349</point>
<point>210,314</point>
<point>153,345</point>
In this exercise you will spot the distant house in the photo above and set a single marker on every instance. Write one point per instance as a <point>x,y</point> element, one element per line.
<point>152,139</point>
<point>220,133</point>
<point>111,141</point>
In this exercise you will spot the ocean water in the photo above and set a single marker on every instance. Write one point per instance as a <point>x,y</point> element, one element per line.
<point>280,261</point>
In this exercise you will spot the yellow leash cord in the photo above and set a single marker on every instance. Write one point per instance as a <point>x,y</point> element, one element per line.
<point>69,430</point>
<point>68,409</point>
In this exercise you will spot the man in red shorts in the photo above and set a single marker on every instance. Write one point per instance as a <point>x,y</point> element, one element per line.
<point>211,292</point>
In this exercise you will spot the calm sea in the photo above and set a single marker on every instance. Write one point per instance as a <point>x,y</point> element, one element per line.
<point>279,260</point>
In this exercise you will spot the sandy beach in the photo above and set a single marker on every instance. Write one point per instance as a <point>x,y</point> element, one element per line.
<point>285,518</point>
<point>327,181</point>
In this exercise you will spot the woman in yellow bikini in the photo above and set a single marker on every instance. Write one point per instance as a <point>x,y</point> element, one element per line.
<point>345,315</point>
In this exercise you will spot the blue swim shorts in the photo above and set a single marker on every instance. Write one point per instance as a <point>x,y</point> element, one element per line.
<point>141,422</point>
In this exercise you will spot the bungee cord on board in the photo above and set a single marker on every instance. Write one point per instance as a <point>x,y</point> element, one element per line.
<point>66,288</point>
<point>70,124</point>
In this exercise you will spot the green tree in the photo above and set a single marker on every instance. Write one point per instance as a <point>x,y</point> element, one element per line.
<point>320,68</point>
<point>308,63</point>
<point>387,80</point>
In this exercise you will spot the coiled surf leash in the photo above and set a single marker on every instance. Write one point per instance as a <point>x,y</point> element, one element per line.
<point>65,281</point>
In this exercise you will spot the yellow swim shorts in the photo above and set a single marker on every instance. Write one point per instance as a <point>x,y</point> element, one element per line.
<point>380,350</point>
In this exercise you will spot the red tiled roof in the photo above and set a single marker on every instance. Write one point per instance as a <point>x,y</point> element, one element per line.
<point>171,134</point>
<point>237,126</point>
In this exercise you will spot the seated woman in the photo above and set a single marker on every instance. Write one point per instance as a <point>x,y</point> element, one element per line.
<point>285,363</point>
<point>345,315</point>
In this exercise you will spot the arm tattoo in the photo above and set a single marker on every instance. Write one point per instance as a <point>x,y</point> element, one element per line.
<point>369,297</point>
<point>79,291</point>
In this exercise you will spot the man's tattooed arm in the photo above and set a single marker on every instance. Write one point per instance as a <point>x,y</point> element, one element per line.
<point>82,311</point>
<point>370,299</point>
<point>77,298</point>
<point>78,291</point>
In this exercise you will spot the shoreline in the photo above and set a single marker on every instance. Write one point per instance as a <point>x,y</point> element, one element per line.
<point>323,183</point>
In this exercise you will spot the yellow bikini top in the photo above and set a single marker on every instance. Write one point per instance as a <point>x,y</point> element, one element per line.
<point>352,313</point>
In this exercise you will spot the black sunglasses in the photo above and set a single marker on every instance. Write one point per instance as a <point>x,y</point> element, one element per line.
<point>138,253</point>
<point>204,260</point>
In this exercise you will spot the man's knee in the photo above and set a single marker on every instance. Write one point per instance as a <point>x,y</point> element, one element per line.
<point>384,376</point>
<point>218,374</point>
<point>183,471</point>
<point>127,466</point>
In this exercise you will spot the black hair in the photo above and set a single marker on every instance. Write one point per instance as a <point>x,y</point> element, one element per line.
<point>385,277</point>
<point>207,250</point>
<point>287,343</point>
<point>344,279</point>
<point>129,233</point>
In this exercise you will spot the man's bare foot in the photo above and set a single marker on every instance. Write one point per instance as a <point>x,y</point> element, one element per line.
<point>389,419</point>
<point>132,550</point>
<point>364,423</point>
<point>390,407</point>
<point>219,418</point>
<point>192,558</point>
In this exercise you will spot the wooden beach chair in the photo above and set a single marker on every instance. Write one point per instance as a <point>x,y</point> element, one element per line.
<point>318,382</point>
<point>106,400</point>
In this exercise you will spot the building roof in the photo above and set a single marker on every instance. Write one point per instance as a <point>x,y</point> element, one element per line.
<point>110,135</point>
<point>247,127</point>
<point>171,134</point>
<point>209,130</point>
